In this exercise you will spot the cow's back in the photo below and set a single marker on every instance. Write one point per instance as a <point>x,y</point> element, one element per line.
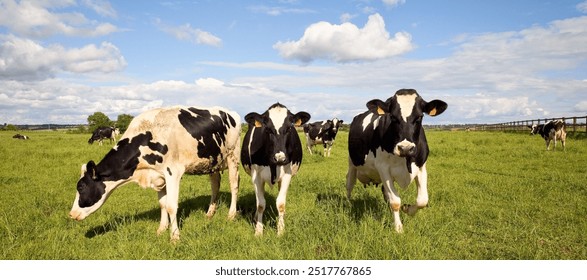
<point>198,138</point>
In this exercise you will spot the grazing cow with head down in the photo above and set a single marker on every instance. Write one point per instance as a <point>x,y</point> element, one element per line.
<point>387,144</point>
<point>272,153</point>
<point>323,132</point>
<point>158,147</point>
<point>550,131</point>
<point>102,133</point>
<point>20,136</point>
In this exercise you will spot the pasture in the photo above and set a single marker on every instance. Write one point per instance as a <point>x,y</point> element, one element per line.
<point>493,196</point>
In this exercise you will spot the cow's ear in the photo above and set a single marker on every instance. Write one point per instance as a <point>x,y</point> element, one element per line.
<point>83,171</point>
<point>377,106</point>
<point>301,118</point>
<point>435,107</point>
<point>90,169</point>
<point>254,119</point>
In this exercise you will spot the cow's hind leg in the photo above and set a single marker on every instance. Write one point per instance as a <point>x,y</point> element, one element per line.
<point>233,178</point>
<point>215,185</point>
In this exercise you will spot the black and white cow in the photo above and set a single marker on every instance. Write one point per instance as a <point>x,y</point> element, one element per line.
<point>272,153</point>
<point>323,132</point>
<point>102,133</point>
<point>158,147</point>
<point>550,131</point>
<point>20,136</point>
<point>387,144</point>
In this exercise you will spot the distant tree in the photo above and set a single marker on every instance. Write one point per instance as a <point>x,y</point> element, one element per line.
<point>98,119</point>
<point>123,121</point>
<point>10,127</point>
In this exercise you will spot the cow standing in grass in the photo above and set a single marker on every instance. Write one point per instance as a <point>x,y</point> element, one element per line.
<point>323,132</point>
<point>272,153</point>
<point>387,144</point>
<point>550,131</point>
<point>158,147</point>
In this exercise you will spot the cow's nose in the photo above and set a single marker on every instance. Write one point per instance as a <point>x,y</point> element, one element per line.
<point>280,158</point>
<point>404,149</point>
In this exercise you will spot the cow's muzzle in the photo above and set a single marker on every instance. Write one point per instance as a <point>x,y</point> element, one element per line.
<point>280,158</point>
<point>405,149</point>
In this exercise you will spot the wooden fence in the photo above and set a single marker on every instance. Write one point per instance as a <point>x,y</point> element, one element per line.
<point>573,124</point>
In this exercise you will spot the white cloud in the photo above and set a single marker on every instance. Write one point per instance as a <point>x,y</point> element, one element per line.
<point>25,59</point>
<point>346,17</point>
<point>187,33</point>
<point>346,42</point>
<point>38,19</point>
<point>393,3</point>
<point>581,107</point>
<point>582,7</point>
<point>101,7</point>
<point>277,11</point>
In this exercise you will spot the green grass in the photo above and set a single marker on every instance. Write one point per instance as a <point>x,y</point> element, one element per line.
<point>492,196</point>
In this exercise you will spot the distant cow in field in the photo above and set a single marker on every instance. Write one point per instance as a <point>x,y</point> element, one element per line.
<point>550,131</point>
<point>158,147</point>
<point>387,144</point>
<point>20,136</point>
<point>272,153</point>
<point>323,132</point>
<point>102,133</point>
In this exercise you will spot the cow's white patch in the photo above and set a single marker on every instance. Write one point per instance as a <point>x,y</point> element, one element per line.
<point>406,104</point>
<point>367,121</point>
<point>278,116</point>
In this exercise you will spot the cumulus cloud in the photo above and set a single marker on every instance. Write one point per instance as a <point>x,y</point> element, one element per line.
<point>25,59</point>
<point>187,33</point>
<point>346,42</point>
<point>38,19</point>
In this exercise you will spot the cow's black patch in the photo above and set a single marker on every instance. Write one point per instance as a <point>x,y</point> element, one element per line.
<point>118,164</point>
<point>208,129</point>
<point>169,171</point>
<point>153,158</point>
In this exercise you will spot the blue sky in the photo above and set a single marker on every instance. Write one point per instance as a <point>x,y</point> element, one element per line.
<point>491,61</point>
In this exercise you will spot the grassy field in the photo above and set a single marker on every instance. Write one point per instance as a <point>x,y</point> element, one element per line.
<point>492,196</point>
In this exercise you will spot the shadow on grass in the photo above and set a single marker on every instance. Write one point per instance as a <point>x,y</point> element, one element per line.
<point>246,207</point>
<point>185,209</point>
<point>359,207</point>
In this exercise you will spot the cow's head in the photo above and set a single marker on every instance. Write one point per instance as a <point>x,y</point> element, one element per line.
<point>277,127</point>
<point>336,123</point>
<point>401,119</point>
<point>534,129</point>
<point>92,192</point>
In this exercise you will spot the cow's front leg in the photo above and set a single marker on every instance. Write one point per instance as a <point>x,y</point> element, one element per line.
<point>164,223</point>
<point>172,186</point>
<point>215,185</point>
<point>422,196</point>
<point>260,197</point>
<point>351,179</point>
<point>392,198</point>
<point>280,202</point>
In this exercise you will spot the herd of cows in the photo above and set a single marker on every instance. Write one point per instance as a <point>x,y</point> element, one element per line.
<point>386,144</point>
